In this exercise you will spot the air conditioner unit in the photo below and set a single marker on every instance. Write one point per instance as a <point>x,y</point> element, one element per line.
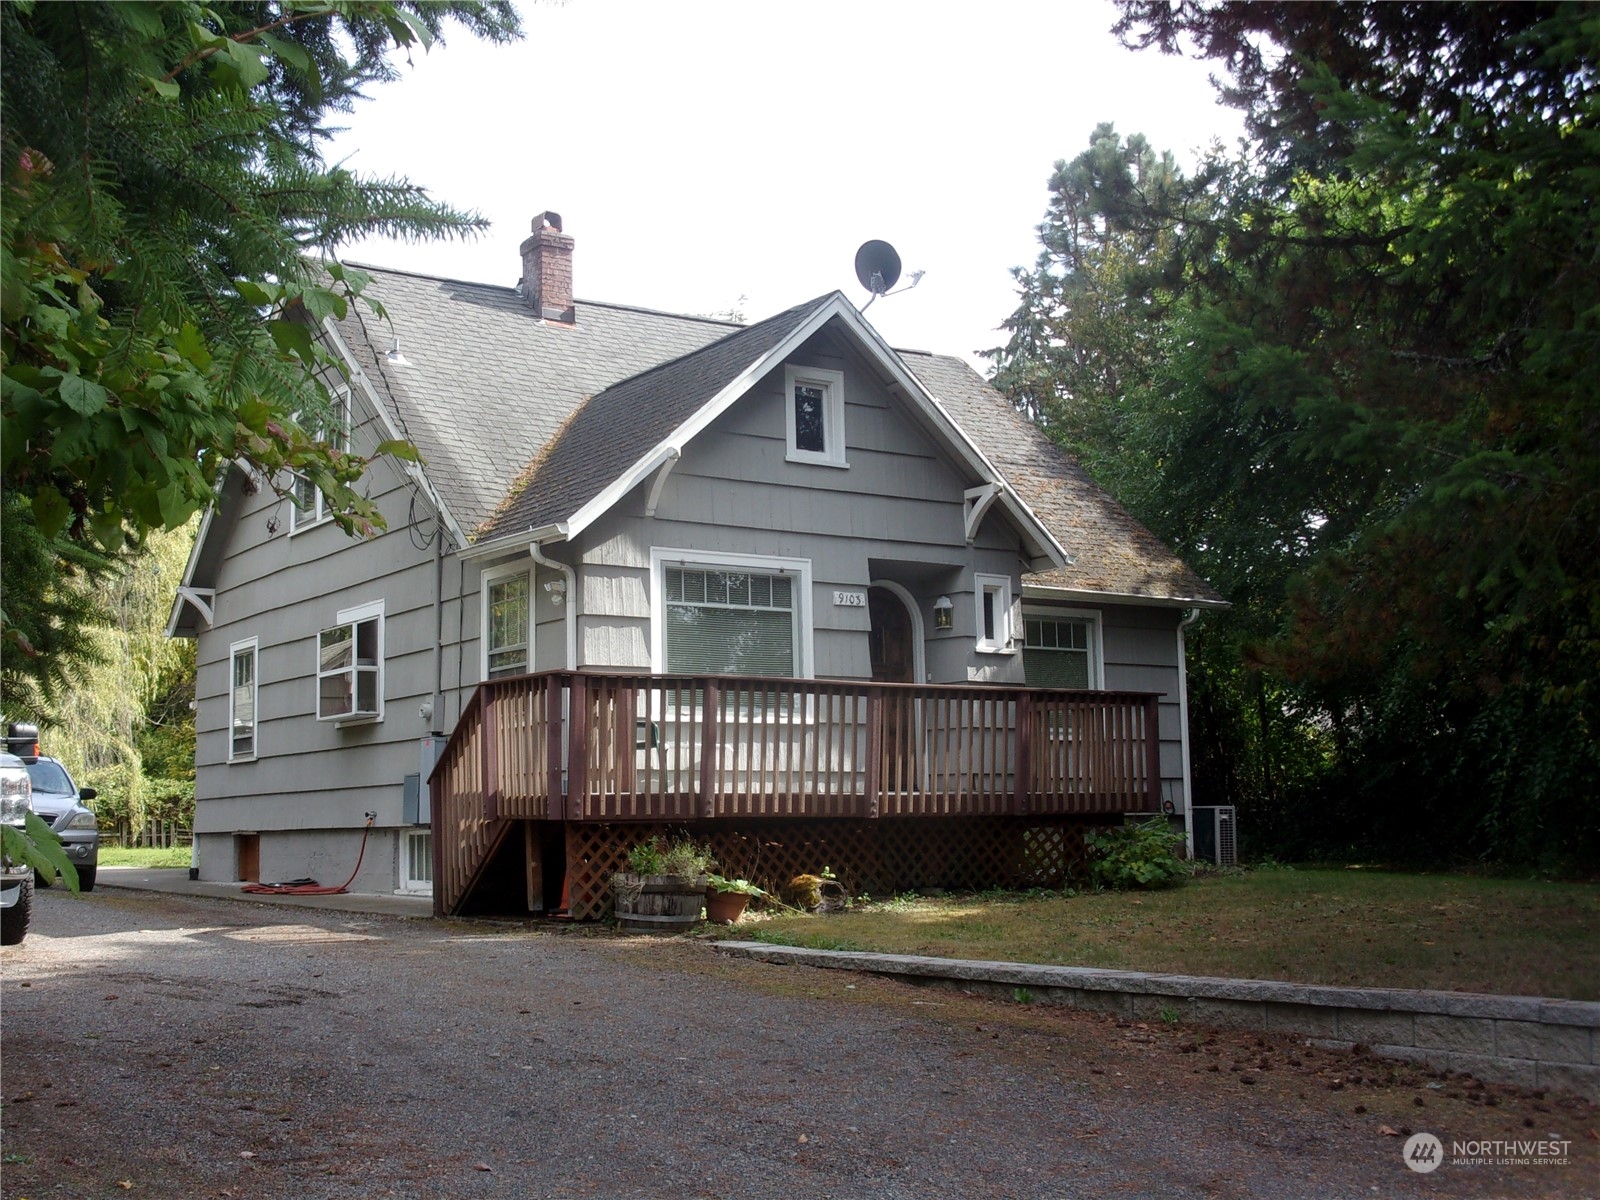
<point>1216,835</point>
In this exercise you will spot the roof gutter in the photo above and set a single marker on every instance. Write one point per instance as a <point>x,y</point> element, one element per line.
<point>1046,591</point>
<point>513,543</point>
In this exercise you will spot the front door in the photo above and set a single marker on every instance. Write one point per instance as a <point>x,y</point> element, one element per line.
<point>893,657</point>
<point>894,661</point>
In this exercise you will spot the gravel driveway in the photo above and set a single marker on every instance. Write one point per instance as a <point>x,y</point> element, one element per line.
<point>179,1047</point>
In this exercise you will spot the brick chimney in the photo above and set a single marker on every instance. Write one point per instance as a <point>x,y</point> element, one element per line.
<point>547,269</point>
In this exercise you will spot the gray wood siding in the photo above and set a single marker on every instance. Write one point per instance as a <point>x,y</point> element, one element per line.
<point>283,589</point>
<point>1139,653</point>
<point>895,512</point>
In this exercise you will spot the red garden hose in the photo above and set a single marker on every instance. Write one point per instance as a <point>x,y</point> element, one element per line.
<point>310,887</point>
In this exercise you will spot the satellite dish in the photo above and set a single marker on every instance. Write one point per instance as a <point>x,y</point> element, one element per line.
<point>877,267</point>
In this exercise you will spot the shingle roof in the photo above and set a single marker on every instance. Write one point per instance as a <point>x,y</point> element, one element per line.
<point>613,430</point>
<point>1110,551</point>
<point>521,422</point>
<point>489,383</point>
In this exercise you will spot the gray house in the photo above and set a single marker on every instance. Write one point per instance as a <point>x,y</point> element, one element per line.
<point>779,583</point>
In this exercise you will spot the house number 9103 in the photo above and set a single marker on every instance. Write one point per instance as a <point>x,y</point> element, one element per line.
<point>850,599</point>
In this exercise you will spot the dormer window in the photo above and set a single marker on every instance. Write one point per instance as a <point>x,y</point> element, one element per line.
<point>814,414</point>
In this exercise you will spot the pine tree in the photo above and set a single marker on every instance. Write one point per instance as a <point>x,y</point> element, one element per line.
<point>168,238</point>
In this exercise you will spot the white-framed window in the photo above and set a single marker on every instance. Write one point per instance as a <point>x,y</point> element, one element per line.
<point>310,506</point>
<point>1061,648</point>
<point>416,861</point>
<point>350,666</point>
<point>507,621</point>
<point>724,614</point>
<point>993,596</point>
<point>243,658</point>
<point>814,415</point>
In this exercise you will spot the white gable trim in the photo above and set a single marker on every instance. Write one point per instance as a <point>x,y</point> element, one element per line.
<point>186,588</point>
<point>835,306</point>
<point>419,476</point>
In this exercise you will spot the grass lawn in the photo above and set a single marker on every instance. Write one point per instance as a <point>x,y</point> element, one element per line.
<point>1331,926</point>
<point>143,856</point>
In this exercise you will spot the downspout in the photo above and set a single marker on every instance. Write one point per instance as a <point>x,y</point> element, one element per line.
<point>571,604</point>
<point>436,717</point>
<point>1183,730</point>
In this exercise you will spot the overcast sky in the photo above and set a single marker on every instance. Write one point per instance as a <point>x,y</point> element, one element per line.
<point>701,152</point>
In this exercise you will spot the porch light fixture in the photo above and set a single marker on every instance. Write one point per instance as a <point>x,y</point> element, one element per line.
<point>394,358</point>
<point>557,589</point>
<point>943,612</point>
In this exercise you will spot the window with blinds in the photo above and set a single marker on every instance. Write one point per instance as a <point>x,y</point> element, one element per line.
<point>1056,653</point>
<point>729,623</point>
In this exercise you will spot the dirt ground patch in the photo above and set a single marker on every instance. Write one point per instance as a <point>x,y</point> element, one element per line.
<point>203,1048</point>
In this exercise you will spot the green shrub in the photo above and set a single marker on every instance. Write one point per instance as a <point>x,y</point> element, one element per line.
<point>1138,855</point>
<point>680,857</point>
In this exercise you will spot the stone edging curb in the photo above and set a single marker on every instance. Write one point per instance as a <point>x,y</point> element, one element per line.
<point>1525,1040</point>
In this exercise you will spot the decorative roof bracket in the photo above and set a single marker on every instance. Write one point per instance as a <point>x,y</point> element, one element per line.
<point>665,469</point>
<point>203,600</point>
<point>975,503</point>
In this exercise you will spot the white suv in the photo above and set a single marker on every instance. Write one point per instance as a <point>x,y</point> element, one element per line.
<point>16,879</point>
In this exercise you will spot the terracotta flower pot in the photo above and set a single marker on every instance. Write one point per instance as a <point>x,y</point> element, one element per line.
<point>724,908</point>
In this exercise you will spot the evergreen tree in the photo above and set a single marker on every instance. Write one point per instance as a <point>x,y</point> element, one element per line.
<point>166,241</point>
<point>1375,421</point>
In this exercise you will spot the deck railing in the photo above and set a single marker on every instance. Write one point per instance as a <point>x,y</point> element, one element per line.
<point>614,747</point>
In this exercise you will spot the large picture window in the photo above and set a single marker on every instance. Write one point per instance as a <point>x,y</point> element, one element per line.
<point>507,623</point>
<point>242,692</point>
<point>729,623</point>
<point>1061,651</point>
<point>720,614</point>
<point>350,666</point>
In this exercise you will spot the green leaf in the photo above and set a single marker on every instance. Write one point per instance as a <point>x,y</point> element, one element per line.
<point>167,89</point>
<point>176,503</point>
<point>254,293</point>
<point>82,396</point>
<point>36,845</point>
<point>192,346</point>
<point>396,448</point>
<point>246,60</point>
<point>288,51</point>
<point>109,531</point>
<point>51,512</point>
<point>292,337</point>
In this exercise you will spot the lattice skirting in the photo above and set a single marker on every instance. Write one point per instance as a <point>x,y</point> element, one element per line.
<point>880,857</point>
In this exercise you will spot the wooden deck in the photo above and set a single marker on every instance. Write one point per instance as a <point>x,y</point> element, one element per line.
<point>607,748</point>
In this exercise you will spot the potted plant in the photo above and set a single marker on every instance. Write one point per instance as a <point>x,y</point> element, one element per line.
<point>664,889</point>
<point>726,898</point>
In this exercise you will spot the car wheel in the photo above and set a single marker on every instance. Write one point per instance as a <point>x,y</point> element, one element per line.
<point>14,920</point>
<point>86,878</point>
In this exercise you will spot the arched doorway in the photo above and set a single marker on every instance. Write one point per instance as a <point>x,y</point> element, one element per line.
<point>893,639</point>
<point>894,660</point>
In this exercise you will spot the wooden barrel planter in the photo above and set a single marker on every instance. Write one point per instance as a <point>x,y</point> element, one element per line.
<point>658,903</point>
